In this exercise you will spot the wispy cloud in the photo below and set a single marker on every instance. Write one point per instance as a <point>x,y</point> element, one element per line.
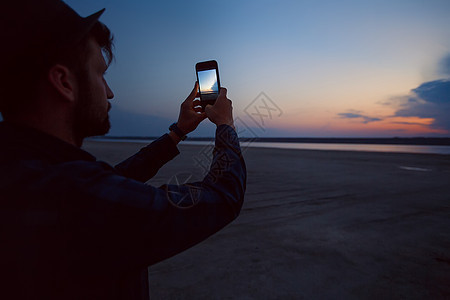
<point>354,114</point>
<point>411,123</point>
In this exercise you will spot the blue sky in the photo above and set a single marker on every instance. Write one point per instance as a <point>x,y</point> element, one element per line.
<point>327,68</point>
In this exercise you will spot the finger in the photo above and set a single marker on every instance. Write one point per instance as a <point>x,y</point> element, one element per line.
<point>199,118</point>
<point>223,92</point>
<point>202,116</point>
<point>196,102</point>
<point>222,95</point>
<point>193,93</point>
<point>198,109</point>
<point>197,91</point>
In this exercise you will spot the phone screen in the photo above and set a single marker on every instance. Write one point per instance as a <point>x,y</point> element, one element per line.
<point>209,87</point>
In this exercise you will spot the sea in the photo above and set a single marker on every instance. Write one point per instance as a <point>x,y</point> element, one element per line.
<point>335,145</point>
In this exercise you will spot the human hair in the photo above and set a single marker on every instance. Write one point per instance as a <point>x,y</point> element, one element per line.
<point>20,81</point>
<point>76,57</point>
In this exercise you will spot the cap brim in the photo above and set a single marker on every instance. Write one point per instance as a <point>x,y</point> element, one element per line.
<point>86,25</point>
<point>92,19</point>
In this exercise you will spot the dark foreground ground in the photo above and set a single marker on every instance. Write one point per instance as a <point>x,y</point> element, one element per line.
<point>316,225</point>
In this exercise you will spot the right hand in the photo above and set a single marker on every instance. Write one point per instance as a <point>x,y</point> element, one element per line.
<point>222,110</point>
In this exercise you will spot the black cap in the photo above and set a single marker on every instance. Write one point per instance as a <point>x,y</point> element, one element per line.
<point>42,27</point>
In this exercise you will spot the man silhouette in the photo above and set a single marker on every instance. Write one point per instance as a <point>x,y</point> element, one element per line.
<point>73,227</point>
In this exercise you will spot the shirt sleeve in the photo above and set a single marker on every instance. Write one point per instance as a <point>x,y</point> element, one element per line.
<point>121,221</point>
<point>145,164</point>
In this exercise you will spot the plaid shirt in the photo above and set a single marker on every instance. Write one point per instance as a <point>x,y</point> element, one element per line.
<point>73,227</point>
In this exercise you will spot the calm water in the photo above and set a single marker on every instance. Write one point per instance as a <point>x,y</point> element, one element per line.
<point>357,147</point>
<point>321,146</point>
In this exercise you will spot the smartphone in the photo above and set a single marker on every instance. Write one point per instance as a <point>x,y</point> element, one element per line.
<point>208,81</point>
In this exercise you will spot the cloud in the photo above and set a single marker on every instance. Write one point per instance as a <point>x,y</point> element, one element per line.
<point>410,123</point>
<point>353,114</point>
<point>429,100</point>
<point>437,91</point>
<point>427,105</point>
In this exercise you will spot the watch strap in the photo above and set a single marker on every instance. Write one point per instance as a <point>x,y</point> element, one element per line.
<point>174,127</point>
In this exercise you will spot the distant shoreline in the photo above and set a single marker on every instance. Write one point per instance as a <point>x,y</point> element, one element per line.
<point>375,141</point>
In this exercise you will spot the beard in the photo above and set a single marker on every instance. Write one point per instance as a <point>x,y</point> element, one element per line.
<point>89,120</point>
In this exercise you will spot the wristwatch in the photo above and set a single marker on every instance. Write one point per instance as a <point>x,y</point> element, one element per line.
<point>174,127</point>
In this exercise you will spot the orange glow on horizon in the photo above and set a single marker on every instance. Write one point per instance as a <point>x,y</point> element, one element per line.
<point>393,126</point>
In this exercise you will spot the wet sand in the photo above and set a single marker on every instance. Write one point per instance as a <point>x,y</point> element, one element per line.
<point>316,225</point>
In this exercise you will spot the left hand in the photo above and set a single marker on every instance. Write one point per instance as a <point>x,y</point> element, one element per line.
<point>190,115</point>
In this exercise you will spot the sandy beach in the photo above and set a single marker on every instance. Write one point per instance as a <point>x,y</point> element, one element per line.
<point>316,225</point>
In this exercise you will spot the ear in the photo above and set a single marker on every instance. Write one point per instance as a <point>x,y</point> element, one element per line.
<point>63,80</point>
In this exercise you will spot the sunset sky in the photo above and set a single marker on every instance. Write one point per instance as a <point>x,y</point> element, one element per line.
<point>292,68</point>
<point>208,81</point>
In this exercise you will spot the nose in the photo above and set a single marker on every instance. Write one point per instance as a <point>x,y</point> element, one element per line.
<point>109,92</point>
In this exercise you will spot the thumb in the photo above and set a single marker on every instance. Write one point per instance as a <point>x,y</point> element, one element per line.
<point>222,93</point>
<point>193,93</point>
